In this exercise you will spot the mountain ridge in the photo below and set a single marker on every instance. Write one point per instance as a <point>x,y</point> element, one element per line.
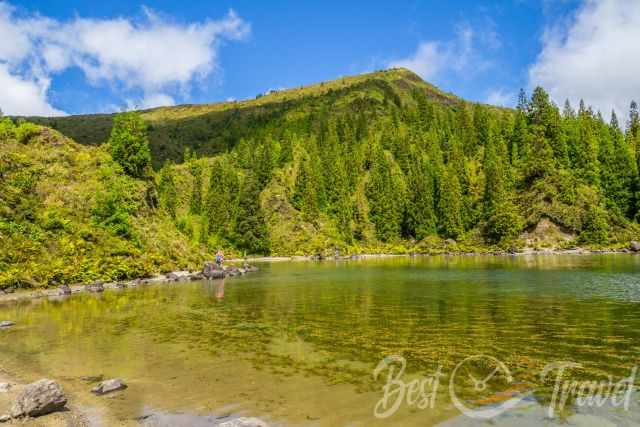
<point>212,128</point>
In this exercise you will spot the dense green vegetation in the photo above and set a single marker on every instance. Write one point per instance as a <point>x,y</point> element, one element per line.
<point>69,213</point>
<point>382,162</point>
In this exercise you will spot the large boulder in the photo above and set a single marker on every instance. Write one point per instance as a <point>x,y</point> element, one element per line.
<point>634,246</point>
<point>39,398</point>
<point>244,422</point>
<point>109,386</point>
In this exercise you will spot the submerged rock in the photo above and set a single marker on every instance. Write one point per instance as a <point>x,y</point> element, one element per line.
<point>7,324</point>
<point>92,378</point>
<point>109,386</point>
<point>39,398</point>
<point>244,422</point>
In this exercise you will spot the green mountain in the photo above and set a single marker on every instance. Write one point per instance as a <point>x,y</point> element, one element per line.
<point>211,129</point>
<point>382,162</point>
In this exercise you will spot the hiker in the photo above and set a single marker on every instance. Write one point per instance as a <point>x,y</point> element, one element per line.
<point>219,259</point>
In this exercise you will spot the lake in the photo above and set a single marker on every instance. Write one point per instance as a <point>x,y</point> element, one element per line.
<point>298,342</point>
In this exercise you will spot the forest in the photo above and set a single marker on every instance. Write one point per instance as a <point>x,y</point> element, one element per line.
<point>377,163</point>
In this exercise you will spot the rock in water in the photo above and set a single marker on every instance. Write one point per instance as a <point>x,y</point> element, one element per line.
<point>109,386</point>
<point>6,324</point>
<point>64,290</point>
<point>39,398</point>
<point>634,246</point>
<point>244,422</point>
<point>5,387</point>
<point>95,287</point>
<point>5,418</point>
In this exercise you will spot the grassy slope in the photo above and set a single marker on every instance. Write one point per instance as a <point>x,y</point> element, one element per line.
<point>48,231</point>
<point>213,128</point>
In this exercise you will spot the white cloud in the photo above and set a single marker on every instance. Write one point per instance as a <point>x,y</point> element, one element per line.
<point>433,59</point>
<point>153,55</point>
<point>24,96</point>
<point>500,97</point>
<point>595,56</point>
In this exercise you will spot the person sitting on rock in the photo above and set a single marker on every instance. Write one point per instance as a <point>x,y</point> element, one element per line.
<point>219,259</point>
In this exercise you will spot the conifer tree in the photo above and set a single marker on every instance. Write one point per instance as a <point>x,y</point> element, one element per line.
<point>167,189</point>
<point>450,203</point>
<point>250,231</point>
<point>195,206</point>
<point>129,144</point>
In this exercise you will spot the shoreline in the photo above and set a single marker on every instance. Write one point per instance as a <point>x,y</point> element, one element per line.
<point>355,257</point>
<point>185,276</point>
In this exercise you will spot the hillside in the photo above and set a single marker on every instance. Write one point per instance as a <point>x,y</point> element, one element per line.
<point>69,214</point>
<point>382,162</point>
<point>209,129</point>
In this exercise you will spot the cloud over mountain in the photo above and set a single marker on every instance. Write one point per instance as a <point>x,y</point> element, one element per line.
<point>593,55</point>
<point>153,55</point>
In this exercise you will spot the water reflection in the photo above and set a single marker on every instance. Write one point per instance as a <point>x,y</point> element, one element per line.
<point>301,339</point>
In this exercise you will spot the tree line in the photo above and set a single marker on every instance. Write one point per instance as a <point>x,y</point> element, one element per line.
<point>394,170</point>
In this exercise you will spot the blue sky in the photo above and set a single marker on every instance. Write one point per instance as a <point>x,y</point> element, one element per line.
<point>81,57</point>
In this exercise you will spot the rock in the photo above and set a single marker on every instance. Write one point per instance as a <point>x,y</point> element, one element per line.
<point>242,271</point>
<point>64,290</point>
<point>172,276</point>
<point>5,387</point>
<point>197,276</point>
<point>5,418</point>
<point>9,290</point>
<point>109,386</point>
<point>39,398</point>
<point>121,285</point>
<point>634,246</point>
<point>210,270</point>
<point>244,422</point>
<point>92,378</point>
<point>7,324</point>
<point>94,287</point>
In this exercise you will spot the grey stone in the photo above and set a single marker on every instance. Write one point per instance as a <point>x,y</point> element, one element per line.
<point>6,324</point>
<point>64,290</point>
<point>5,387</point>
<point>39,398</point>
<point>634,246</point>
<point>244,422</point>
<point>95,287</point>
<point>5,418</point>
<point>109,386</point>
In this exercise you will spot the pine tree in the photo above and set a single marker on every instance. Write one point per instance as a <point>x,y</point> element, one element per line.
<point>420,218</point>
<point>129,144</point>
<point>167,189</point>
<point>195,206</point>
<point>250,231</point>
<point>385,198</point>
<point>305,196</point>
<point>450,204</point>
